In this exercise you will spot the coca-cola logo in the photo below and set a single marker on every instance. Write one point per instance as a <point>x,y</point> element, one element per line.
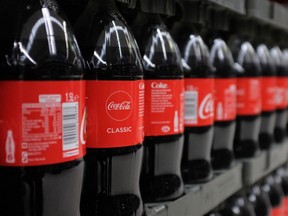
<point>119,106</point>
<point>206,109</point>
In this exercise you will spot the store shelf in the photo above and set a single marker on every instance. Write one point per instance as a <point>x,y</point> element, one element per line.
<point>237,6</point>
<point>280,15</point>
<point>256,168</point>
<point>200,199</point>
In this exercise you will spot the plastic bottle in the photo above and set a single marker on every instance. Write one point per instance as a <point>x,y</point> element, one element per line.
<point>246,142</point>
<point>164,97</point>
<point>198,111</point>
<point>272,186</point>
<point>225,105</point>
<point>268,116</point>
<point>43,105</point>
<point>281,95</point>
<point>260,201</point>
<point>115,104</point>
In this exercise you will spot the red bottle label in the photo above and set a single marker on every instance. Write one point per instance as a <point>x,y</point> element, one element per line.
<point>225,99</point>
<point>41,122</point>
<point>164,107</point>
<point>277,211</point>
<point>248,96</point>
<point>268,93</point>
<point>115,113</point>
<point>199,102</point>
<point>281,93</point>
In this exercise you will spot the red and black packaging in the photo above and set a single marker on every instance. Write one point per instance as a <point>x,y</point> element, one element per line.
<point>198,111</point>
<point>161,177</point>
<point>268,97</point>
<point>42,118</point>
<point>115,106</point>
<point>272,185</point>
<point>281,95</point>
<point>260,201</point>
<point>246,142</point>
<point>224,105</point>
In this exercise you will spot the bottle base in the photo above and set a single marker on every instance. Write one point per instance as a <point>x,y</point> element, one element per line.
<point>279,134</point>
<point>265,141</point>
<point>245,148</point>
<point>197,171</point>
<point>222,159</point>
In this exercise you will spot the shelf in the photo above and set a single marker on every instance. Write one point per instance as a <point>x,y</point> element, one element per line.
<point>200,199</point>
<point>256,168</point>
<point>280,15</point>
<point>237,6</point>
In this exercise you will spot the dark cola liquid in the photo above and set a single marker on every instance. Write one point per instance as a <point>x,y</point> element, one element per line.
<point>260,201</point>
<point>224,131</point>
<point>51,189</point>
<point>111,177</point>
<point>246,142</point>
<point>196,160</point>
<point>268,116</point>
<point>161,177</point>
<point>281,112</point>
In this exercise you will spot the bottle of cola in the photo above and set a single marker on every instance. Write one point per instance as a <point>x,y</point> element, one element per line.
<point>285,56</point>
<point>42,118</point>
<point>164,109</point>
<point>198,111</point>
<point>115,104</point>
<point>260,201</point>
<point>268,115</point>
<point>281,95</point>
<point>283,173</point>
<point>248,102</point>
<point>272,186</point>
<point>238,206</point>
<point>224,105</point>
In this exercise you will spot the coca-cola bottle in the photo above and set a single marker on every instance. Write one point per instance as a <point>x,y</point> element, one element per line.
<point>283,173</point>
<point>164,109</point>
<point>42,118</point>
<point>224,105</point>
<point>272,186</point>
<point>260,201</point>
<point>115,104</point>
<point>268,115</point>
<point>198,111</point>
<point>281,95</point>
<point>248,102</point>
<point>285,56</point>
<point>238,206</point>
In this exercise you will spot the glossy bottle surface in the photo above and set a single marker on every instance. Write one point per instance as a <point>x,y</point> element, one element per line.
<point>199,111</point>
<point>38,47</point>
<point>225,105</point>
<point>246,142</point>
<point>114,156</point>
<point>161,174</point>
<point>281,99</point>
<point>268,116</point>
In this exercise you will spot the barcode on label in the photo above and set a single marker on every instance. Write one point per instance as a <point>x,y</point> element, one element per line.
<point>70,126</point>
<point>191,106</point>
